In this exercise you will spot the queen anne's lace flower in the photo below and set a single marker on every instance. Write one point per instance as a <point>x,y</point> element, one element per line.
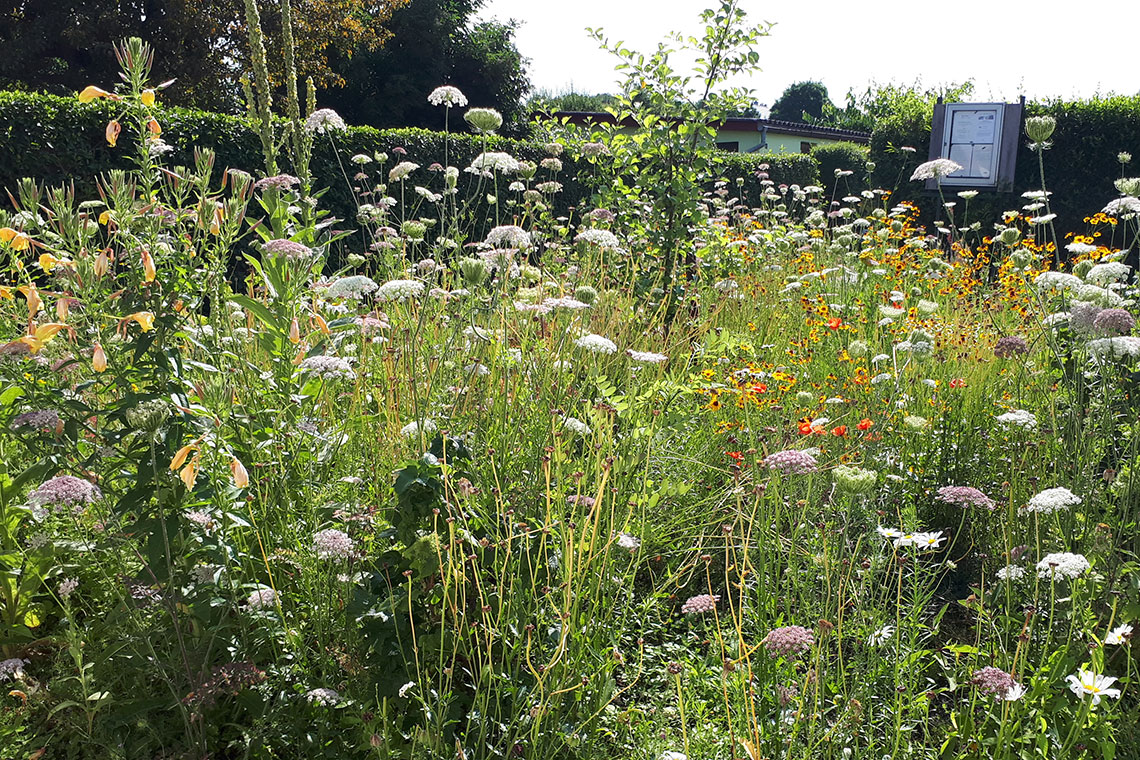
<point>791,462</point>
<point>1062,566</point>
<point>596,344</point>
<point>413,429</point>
<point>1118,347</point>
<point>1052,500</point>
<point>42,421</point>
<point>323,697</point>
<point>646,357</point>
<point>789,640</point>
<point>399,290</point>
<point>12,669</point>
<point>496,162</point>
<point>598,238</point>
<point>447,96</point>
<point>700,604</point>
<point>1114,322</point>
<point>1057,281</point>
<point>995,682</point>
<point>576,426</point>
<point>936,169</point>
<point>64,491</point>
<point>333,544</point>
<point>355,287</point>
<point>1011,573</point>
<point>1018,418</point>
<point>1010,345</point>
<point>509,236</point>
<point>261,599</point>
<point>965,496</point>
<point>325,120</point>
<point>854,479</point>
<point>328,367</point>
<point>288,249</point>
<point>1107,273</point>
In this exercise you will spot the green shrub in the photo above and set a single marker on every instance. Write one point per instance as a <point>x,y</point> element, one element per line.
<point>842,156</point>
<point>56,140</point>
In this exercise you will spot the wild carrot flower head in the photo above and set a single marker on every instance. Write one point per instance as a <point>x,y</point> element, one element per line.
<point>287,249</point>
<point>1010,345</point>
<point>791,462</point>
<point>447,96</point>
<point>41,421</point>
<point>1114,322</point>
<point>333,544</point>
<point>64,491</point>
<point>1062,566</point>
<point>789,640</point>
<point>276,182</point>
<point>936,169</point>
<point>700,604</point>
<point>325,120</point>
<point>1052,500</point>
<point>992,681</point>
<point>964,496</point>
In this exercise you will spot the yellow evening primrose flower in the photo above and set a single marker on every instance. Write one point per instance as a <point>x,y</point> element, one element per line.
<point>91,92</point>
<point>112,132</point>
<point>147,98</point>
<point>41,335</point>
<point>48,262</point>
<point>145,320</point>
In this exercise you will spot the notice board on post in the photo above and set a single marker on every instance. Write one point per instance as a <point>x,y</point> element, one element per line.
<point>982,137</point>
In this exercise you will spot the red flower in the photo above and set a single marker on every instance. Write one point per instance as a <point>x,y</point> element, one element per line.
<point>834,323</point>
<point>839,430</point>
<point>734,455</point>
<point>864,424</point>
<point>958,382</point>
<point>805,427</point>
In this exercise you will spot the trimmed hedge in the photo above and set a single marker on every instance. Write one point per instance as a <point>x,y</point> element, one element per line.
<point>842,156</point>
<point>1080,167</point>
<point>56,140</point>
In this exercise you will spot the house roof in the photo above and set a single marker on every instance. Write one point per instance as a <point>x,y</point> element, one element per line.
<point>734,124</point>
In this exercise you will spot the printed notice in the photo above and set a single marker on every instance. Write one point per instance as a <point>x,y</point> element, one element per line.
<point>974,127</point>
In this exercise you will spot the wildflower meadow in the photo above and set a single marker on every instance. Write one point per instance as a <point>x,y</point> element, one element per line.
<point>683,473</point>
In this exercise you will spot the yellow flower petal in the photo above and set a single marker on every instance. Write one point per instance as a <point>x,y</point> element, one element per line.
<point>112,132</point>
<point>181,454</point>
<point>189,473</point>
<point>90,92</point>
<point>145,320</point>
<point>241,477</point>
<point>147,98</point>
<point>48,262</point>
<point>99,359</point>
<point>149,272</point>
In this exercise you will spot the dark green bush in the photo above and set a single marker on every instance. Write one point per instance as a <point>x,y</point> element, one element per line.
<point>842,156</point>
<point>57,140</point>
<point>1079,167</point>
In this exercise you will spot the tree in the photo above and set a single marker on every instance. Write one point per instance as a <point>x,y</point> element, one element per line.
<point>433,43</point>
<point>63,45</point>
<point>798,99</point>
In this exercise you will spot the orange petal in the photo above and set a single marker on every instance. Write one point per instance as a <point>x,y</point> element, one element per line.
<point>241,477</point>
<point>112,132</point>
<point>99,359</point>
<point>181,454</point>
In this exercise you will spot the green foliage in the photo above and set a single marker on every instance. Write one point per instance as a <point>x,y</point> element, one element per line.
<point>434,42</point>
<point>58,140</point>
<point>547,102</point>
<point>842,157</point>
<point>881,101</point>
<point>1081,162</point>
<point>801,102</point>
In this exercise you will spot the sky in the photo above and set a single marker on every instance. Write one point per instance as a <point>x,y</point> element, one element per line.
<point>1037,48</point>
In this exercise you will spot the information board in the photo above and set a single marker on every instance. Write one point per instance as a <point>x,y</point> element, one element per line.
<point>982,137</point>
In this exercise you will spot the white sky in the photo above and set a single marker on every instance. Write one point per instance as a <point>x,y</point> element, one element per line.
<point>1039,48</point>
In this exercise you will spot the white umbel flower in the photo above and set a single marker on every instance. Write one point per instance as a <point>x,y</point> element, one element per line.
<point>1052,500</point>
<point>1062,566</point>
<point>399,290</point>
<point>447,96</point>
<point>1018,418</point>
<point>596,344</point>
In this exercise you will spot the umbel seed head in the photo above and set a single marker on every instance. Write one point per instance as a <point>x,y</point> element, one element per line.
<point>1040,128</point>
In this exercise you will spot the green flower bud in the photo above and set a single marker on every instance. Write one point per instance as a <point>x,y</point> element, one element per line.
<point>483,120</point>
<point>474,270</point>
<point>586,294</point>
<point>1040,128</point>
<point>854,480</point>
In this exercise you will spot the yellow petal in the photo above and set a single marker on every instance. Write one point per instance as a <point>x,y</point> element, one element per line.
<point>241,477</point>
<point>153,128</point>
<point>147,98</point>
<point>18,240</point>
<point>34,300</point>
<point>90,92</point>
<point>189,473</point>
<point>6,234</point>
<point>149,272</point>
<point>102,263</point>
<point>145,320</point>
<point>48,262</point>
<point>181,454</point>
<point>322,325</point>
<point>105,217</point>
<point>294,332</point>
<point>99,359</point>
<point>112,132</point>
